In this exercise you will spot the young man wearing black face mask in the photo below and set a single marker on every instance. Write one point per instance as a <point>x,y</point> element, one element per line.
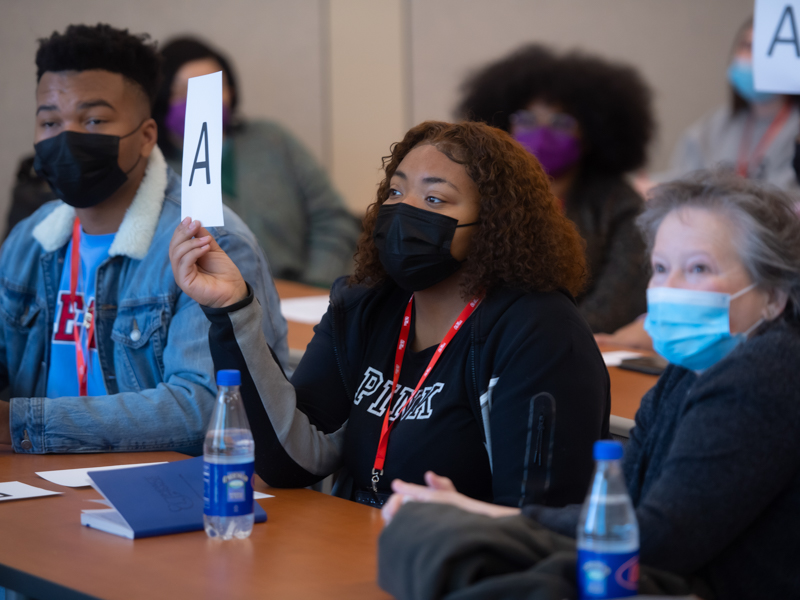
<point>99,347</point>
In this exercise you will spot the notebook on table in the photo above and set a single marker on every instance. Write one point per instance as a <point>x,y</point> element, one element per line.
<point>152,500</point>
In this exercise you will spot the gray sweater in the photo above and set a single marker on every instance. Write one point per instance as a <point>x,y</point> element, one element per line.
<point>713,469</point>
<point>714,141</point>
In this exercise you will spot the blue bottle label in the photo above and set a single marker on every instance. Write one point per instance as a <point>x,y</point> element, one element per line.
<point>227,489</point>
<point>607,574</point>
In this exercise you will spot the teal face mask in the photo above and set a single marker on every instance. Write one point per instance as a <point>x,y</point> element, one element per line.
<point>740,76</point>
<point>691,328</point>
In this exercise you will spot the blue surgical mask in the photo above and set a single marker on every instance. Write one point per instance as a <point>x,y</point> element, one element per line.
<point>691,328</point>
<point>740,76</point>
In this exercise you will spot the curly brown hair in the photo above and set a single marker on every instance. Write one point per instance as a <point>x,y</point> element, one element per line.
<point>523,240</point>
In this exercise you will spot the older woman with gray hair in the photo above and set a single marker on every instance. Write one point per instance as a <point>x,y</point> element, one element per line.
<point>713,463</point>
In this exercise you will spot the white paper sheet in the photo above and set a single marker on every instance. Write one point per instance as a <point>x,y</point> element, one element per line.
<point>15,490</point>
<point>614,358</point>
<point>305,310</point>
<point>201,185</point>
<point>776,46</point>
<point>79,477</point>
<point>260,495</point>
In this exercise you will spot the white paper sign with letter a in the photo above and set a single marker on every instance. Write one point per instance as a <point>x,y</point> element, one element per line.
<point>201,184</point>
<point>776,46</point>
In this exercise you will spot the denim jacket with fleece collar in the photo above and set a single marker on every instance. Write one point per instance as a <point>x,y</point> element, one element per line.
<point>152,339</point>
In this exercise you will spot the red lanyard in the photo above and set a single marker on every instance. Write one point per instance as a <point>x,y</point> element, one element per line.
<point>380,456</point>
<point>88,318</point>
<point>743,163</point>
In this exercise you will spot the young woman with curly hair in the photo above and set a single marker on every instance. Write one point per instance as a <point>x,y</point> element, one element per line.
<point>462,291</point>
<point>588,122</point>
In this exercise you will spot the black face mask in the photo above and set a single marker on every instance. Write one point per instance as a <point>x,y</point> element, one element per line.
<point>82,168</point>
<point>414,245</point>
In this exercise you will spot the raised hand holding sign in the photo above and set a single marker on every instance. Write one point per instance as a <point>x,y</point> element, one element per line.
<point>201,185</point>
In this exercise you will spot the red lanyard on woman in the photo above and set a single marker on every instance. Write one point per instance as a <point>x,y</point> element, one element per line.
<point>386,428</point>
<point>744,161</point>
<point>88,319</point>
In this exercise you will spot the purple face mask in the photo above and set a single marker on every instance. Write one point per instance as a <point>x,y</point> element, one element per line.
<point>175,121</point>
<point>556,150</point>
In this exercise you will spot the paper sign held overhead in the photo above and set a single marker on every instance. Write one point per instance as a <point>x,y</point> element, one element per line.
<point>776,46</point>
<point>201,183</point>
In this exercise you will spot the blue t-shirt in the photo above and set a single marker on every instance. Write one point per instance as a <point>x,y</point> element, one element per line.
<point>62,376</point>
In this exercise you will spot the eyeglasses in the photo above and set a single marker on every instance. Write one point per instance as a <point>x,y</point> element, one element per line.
<point>525,119</point>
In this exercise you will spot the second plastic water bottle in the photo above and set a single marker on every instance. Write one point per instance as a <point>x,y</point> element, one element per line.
<point>608,533</point>
<point>228,455</point>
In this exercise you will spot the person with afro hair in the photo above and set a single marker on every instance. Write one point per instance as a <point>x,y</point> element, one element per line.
<point>588,122</point>
<point>100,351</point>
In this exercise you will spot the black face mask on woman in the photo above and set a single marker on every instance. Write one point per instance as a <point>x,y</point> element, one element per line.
<point>82,168</point>
<point>414,245</point>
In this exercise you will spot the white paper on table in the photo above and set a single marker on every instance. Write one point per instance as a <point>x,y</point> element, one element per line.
<point>79,477</point>
<point>776,46</point>
<point>15,490</point>
<point>309,309</point>
<point>260,495</point>
<point>614,358</point>
<point>201,183</point>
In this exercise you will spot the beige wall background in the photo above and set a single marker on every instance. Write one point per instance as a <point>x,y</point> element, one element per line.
<point>348,77</point>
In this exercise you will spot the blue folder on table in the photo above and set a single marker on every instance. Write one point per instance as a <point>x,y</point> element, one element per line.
<point>152,500</point>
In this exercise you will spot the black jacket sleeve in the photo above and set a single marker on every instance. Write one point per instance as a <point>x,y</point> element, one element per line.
<point>431,551</point>
<point>549,397</point>
<point>299,432</point>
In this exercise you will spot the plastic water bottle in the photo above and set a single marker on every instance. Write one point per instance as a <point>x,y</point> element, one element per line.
<point>228,456</point>
<point>608,533</point>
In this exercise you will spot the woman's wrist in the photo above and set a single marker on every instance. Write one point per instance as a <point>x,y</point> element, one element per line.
<point>241,292</point>
<point>230,307</point>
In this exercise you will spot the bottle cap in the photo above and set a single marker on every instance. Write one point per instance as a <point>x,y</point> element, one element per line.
<point>229,377</point>
<point>605,449</point>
